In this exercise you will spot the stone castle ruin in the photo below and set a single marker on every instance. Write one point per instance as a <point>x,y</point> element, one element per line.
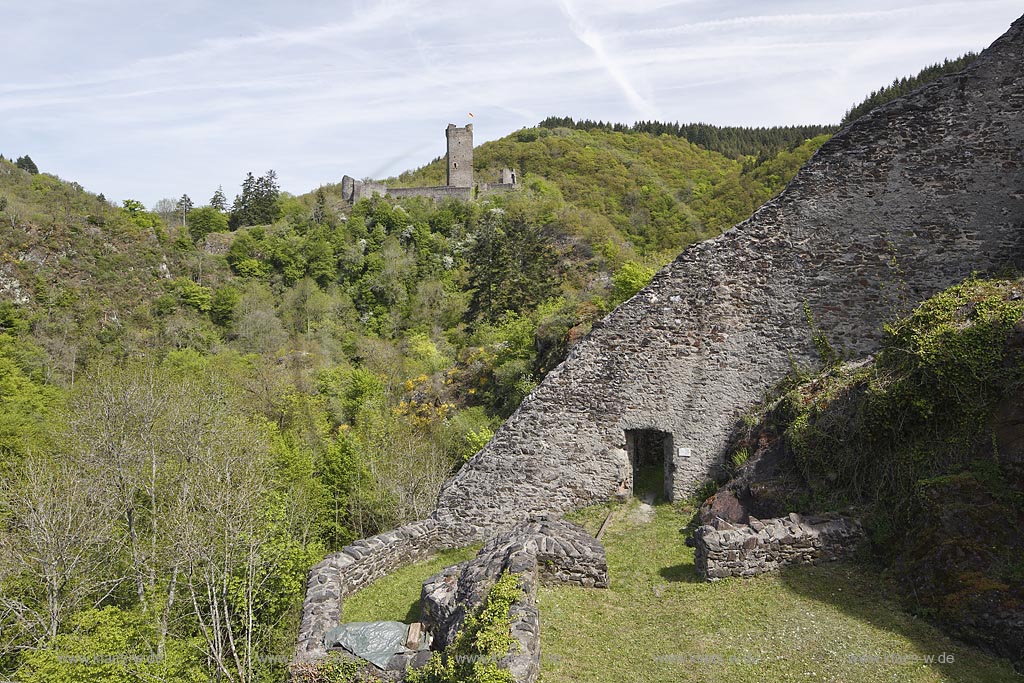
<point>903,203</point>
<point>459,182</point>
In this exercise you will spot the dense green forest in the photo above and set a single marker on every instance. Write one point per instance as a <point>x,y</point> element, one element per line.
<point>198,402</point>
<point>649,194</point>
<point>732,141</point>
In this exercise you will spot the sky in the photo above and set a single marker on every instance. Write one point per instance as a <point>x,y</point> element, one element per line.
<point>147,100</point>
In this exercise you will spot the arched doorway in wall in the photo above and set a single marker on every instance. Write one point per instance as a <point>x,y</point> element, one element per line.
<point>650,454</point>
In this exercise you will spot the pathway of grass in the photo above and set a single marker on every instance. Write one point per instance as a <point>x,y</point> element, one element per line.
<point>837,622</point>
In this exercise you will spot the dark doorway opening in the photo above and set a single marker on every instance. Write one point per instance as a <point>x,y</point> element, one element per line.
<point>650,450</point>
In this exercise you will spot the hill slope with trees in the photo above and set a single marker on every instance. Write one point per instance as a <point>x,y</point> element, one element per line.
<point>266,394</point>
<point>198,402</point>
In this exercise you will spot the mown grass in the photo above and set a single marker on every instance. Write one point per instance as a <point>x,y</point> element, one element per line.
<point>838,622</point>
<point>396,597</point>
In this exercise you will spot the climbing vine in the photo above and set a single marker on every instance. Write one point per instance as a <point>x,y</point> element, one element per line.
<point>872,433</point>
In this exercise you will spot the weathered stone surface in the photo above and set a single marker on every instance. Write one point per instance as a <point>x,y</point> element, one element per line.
<point>723,505</point>
<point>906,201</point>
<point>542,550</point>
<point>766,545</point>
<point>437,600</point>
<point>351,569</point>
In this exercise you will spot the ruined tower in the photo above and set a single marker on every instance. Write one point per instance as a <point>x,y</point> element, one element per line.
<point>460,155</point>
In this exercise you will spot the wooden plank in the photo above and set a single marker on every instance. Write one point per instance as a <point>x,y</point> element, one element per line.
<point>604,525</point>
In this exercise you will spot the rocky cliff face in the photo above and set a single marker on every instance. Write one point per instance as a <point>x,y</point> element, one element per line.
<point>906,201</point>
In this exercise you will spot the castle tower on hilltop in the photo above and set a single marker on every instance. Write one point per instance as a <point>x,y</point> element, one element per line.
<point>459,185</point>
<point>460,155</point>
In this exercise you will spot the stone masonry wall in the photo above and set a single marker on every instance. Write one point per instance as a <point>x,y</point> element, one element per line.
<point>353,567</point>
<point>767,545</point>
<point>906,201</point>
<point>358,189</point>
<point>541,551</point>
<point>437,193</point>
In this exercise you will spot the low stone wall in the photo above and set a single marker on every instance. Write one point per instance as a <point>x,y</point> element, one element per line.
<point>496,188</point>
<point>436,193</point>
<point>353,567</point>
<point>540,551</point>
<point>725,549</point>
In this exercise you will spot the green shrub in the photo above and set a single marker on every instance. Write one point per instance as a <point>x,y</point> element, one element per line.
<point>331,669</point>
<point>193,294</point>
<point>204,220</point>
<point>484,640</point>
<point>630,279</point>
<point>923,408</point>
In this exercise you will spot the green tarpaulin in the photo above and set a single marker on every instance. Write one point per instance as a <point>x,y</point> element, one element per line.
<point>374,641</point>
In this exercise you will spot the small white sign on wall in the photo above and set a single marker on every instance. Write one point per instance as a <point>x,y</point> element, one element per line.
<point>684,452</point>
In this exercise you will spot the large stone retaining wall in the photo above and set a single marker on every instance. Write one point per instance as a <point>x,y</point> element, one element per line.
<point>356,565</point>
<point>767,545</point>
<point>903,203</point>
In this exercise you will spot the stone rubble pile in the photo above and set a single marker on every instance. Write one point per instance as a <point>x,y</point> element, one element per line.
<point>543,551</point>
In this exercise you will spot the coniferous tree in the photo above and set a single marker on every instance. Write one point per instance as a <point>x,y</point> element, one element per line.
<point>184,205</point>
<point>219,201</point>
<point>257,204</point>
<point>512,267</point>
<point>320,207</point>
<point>25,163</point>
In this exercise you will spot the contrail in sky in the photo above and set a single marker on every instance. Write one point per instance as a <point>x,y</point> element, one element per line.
<point>592,39</point>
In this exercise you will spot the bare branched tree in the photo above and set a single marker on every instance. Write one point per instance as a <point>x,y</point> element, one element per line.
<point>58,541</point>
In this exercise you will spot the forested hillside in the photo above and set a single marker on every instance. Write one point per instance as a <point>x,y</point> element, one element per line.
<point>198,402</point>
<point>658,192</point>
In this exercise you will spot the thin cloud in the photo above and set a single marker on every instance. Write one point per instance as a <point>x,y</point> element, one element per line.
<point>354,87</point>
<point>592,39</point>
<point>816,19</point>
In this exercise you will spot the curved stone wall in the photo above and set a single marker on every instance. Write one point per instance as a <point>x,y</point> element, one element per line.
<point>356,565</point>
<point>541,551</point>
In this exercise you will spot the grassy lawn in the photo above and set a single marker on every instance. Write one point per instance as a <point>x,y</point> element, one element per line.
<point>396,597</point>
<point>837,622</point>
